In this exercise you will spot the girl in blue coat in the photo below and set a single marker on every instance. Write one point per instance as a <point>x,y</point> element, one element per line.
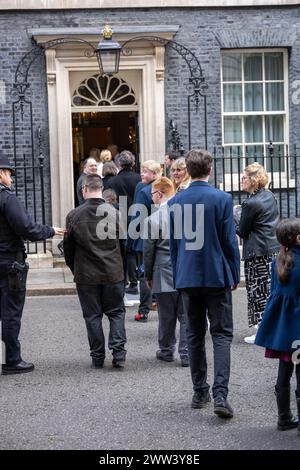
<point>279,331</point>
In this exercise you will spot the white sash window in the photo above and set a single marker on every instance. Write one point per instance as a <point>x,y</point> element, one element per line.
<point>254,107</point>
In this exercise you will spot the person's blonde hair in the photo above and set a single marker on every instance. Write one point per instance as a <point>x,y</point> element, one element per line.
<point>105,156</point>
<point>153,166</point>
<point>164,185</point>
<point>180,164</point>
<point>257,174</point>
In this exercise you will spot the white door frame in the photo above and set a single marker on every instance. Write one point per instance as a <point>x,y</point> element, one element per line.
<point>151,116</point>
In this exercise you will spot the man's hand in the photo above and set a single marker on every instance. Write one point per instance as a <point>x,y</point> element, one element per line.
<point>234,287</point>
<point>59,231</point>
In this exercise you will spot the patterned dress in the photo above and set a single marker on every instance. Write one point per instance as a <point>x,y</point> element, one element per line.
<point>258,281</point>
<point>256,222</point>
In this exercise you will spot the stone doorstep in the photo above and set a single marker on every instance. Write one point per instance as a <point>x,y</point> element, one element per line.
<point>59,262</point>
<point>40,260</point>
<point>63,289</point>
<point>38,290</point>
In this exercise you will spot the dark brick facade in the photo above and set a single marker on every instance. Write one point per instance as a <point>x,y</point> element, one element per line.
<point>204,31</point>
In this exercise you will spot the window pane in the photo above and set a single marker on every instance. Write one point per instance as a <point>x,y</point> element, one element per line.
<point>232,130</point>
<point>274,97</point>
<point>274,128</point>
<point>252,67</point>
<point>233,159</point>
<point>254,153</point>
<point>234,151</point>
<point>276,162</point>
<point>274,66</point>
<point>278,150</point>
<point>253,97</point>
<point>232,70</point>
<point>232,95</point>
<point>253,129</point>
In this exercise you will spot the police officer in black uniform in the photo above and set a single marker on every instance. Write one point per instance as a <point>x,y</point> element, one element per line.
<point>15,226</point>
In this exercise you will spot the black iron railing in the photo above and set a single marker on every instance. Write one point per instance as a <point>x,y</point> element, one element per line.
<point>284,172</point>
<point>30,189</point>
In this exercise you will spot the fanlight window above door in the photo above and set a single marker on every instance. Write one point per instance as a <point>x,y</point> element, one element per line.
<point>103,90</point>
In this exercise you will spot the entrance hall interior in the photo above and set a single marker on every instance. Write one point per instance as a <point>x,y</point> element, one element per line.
<point>99,129</point>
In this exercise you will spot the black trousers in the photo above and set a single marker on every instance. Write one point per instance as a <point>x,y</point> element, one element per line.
<point>95,301</point>
<point>131,265</point>
<point>216,304</point>
<point>145,292</point>
<point>11,310</point>
<point>170,309</point>
<point>285,372</point>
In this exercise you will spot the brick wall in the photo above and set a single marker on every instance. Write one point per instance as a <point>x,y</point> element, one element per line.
<point>204,31</point>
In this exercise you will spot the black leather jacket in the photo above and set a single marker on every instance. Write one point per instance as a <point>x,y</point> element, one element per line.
<point>257,225</point>
<point>91,258</point>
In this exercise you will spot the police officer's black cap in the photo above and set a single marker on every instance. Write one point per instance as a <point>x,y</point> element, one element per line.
<point>5,165</point>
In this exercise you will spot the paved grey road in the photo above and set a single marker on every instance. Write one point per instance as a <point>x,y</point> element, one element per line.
<point>64,404</point>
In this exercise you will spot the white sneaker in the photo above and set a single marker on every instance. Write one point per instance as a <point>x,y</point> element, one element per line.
<point>130,303</point>
<point>250,339</point>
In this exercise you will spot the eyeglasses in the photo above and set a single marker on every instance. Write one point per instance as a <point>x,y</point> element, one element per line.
<point>154,192</point>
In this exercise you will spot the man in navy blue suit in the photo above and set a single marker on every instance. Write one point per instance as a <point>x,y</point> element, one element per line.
<point>206,265</point>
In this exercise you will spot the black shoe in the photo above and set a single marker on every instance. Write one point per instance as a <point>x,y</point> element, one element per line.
<point>285,423</point>
<point>200,401</point>
<point>118,364</point>
<point>132,289</point>
<point>97,363</point>
<point>185,362</point>
<point>222,408</point>
<point>285,418</point>
<point>20,368</point>
<point>162,357</point>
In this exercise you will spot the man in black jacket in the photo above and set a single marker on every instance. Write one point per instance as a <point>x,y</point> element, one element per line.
<point>15,226</point>
<point>124,184</point>
<point>92,250</point>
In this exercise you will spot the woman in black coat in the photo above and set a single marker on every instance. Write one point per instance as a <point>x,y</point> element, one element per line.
<point>256,221</point>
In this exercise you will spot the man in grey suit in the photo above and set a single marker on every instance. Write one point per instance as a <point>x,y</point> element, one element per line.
<point>159,275</point>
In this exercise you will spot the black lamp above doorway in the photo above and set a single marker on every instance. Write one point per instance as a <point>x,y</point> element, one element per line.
<point>108,53</point>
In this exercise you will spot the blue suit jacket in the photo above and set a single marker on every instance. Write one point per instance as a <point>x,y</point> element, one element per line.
<point>217,262</point>
<point>143,196</point>
<point>280,325</point>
